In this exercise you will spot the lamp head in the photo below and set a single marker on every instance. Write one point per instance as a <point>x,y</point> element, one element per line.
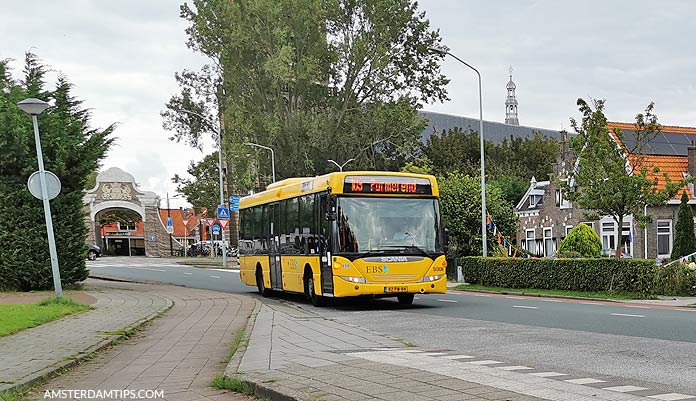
<point>33,106</point>
<point>437,50</point>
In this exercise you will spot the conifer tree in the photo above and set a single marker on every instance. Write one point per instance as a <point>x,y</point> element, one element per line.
<point>684,239</point>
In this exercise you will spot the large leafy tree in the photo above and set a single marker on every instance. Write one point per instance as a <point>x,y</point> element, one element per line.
<point>611,179</point>
<point>314,79</point>
<point>71,150</point>
<point>203,189</point>
<point>463,219</point>
<point>684,239</point>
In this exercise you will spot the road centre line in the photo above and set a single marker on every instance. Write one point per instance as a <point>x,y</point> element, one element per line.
<point>671,396</point>
<point>215,276</point>
<point>447,300</point>
<point>525,307</point>
<point>626,315</point>
<point>187,273</point>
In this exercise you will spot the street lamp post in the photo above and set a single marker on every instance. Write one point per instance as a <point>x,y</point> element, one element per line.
<point>272,156</point>
<point>222,193</point>
<point>483,168</point>
<point>340,166</point>
<point>34,107</point>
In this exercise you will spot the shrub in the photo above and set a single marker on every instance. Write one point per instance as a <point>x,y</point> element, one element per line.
<point>626,275</point>
<point>582,241</point>
<point>676,279</point>
<point>684,239</point>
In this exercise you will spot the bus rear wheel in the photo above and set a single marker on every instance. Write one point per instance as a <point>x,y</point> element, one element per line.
<point>405,299</point>
<point>263,291</point>
<point>316,300</point>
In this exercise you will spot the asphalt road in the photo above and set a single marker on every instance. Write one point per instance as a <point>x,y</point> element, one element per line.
<point>649,346</point>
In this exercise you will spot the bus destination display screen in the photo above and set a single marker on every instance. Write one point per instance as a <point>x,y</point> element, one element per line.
<point>386,185</point>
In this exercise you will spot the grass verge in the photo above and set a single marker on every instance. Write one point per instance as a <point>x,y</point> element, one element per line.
<point>533,291</point>
<point>221,382</point>
<point>17,317</point>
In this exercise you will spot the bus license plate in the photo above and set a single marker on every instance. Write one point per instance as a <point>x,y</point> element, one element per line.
<point>395,288</point>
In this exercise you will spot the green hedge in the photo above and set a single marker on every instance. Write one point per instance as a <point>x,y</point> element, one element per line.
<point>628,275</point>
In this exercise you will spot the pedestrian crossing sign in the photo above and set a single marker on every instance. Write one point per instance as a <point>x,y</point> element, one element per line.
<point>223,213</point>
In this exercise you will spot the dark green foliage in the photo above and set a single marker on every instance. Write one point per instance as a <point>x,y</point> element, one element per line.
<point>582,241</point>
<point>460,207</point>
<point>203,190</point>
<point>72,151</point>
<point>605,274</point>
<point>684,239</point>
<point>676,279</point>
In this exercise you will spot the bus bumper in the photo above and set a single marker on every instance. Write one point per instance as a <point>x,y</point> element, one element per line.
<point>343,288</point>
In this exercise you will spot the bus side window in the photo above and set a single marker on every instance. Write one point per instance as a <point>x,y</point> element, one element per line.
<point>322,225</point>
<point>293,227</point>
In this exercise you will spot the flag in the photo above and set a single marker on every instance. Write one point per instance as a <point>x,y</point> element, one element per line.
<point>515,254</point>
<point>500,239</point>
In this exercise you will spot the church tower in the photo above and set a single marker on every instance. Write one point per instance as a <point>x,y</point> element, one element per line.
<point>511,103</point>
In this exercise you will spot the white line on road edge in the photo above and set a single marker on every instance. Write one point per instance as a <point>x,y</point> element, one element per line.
<point>515,297</point>
<point>551,300</point>
<point>215,276</point>
<point>590,303</point>
<point>586,380</point>
<point>626,315</point>
<point>486,362</point>
<point>671,396</point>
<point>447,300</point>
<point>458,357</point>
<point>548,374</point>
<point>510,368</point>
<point>148,268</point>
<point>525,307</point>
<point>624,389</point>
<point>638,307</point>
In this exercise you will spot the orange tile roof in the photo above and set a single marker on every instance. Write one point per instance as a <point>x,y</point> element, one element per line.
<point>664,128</point>
<point>673,166</point>
<point>178,220</point>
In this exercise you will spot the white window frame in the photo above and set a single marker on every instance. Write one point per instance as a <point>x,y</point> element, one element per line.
<point>628,230</point>
<point>669,235</point>
<point>608,236</point>
<point>126,228</point>
<point>588,223</point>
<point>528,240</point>
<point>568,229</point>
<point>549,231</point>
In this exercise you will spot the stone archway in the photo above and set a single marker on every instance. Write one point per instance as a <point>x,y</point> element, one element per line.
<point>117,189</point>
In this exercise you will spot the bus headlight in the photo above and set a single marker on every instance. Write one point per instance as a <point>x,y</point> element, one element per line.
<point>428,279</point>
<point>360,280</point>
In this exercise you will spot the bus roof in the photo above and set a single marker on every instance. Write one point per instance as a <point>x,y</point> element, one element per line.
<point>293,187</point>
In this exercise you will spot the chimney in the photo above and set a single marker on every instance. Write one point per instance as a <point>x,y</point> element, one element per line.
<point>692,159</point>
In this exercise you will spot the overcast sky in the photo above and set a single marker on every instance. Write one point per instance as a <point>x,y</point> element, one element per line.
<point>121,57</point>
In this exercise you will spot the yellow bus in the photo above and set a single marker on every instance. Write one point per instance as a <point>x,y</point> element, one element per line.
<point>345,234</point>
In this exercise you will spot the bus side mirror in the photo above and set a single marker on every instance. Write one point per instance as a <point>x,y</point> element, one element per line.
<point>331,208</point>
<point>445,240</point>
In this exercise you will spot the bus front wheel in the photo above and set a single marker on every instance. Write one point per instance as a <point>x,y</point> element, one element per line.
<point>316,300</point>
<point>260,285</point>
<point>405,299</point>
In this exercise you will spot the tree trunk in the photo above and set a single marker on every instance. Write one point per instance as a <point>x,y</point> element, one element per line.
<point>619,243</point>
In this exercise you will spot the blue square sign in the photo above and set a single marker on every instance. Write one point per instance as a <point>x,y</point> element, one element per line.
<point>234,203</point>
<point>223,213</point>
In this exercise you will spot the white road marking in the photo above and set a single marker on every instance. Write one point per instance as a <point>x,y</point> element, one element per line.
<point>215,276</point>
<point>447,300</point>
<point>515,297</point>
<point>525,307</point>
<point>484,362</point>
<point>548,374</point>
<point>515,367</point>
<point>226,270</point>
<point>551,300</point>
<point>590,303</point>
<point>671,396</point>
<point>458,357</point>
<point>151,269</point>
<point>586,380</point>
<point>432,353</point>
<point>624,389</point>
<point>188,274</point>
<point>626,315</point>
<point>638,307</point>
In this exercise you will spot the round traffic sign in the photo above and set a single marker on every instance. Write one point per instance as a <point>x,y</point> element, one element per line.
<point>52,185</point>
<point>216,229</point>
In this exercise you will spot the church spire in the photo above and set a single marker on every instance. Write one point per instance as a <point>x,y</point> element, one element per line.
<point>511,103</point>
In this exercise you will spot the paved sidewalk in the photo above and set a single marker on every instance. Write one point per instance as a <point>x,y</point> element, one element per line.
<point>32,353</point>
<point>295,354</point>
<point>178,353</point>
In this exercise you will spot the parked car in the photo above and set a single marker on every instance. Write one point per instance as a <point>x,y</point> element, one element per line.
<point>93,252</point>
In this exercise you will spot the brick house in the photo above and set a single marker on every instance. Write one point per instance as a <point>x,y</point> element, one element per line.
<point>545,217</point>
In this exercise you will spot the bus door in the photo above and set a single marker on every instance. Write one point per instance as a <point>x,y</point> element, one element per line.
<point>274,246</point>
<point>325,247</point>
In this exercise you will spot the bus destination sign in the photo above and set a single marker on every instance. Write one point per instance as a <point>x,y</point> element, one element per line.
<point>386,185</point>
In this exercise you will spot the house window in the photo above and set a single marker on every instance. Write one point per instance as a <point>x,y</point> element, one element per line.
<point>609,235</point>
<point>559,198</point>
<point>589,224</point>
<point>126,226</point>
<point>664,238</point>
<point>568,229</point>
<point>548,242</point>
<point>626,238</point>
<point>530,241</point>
